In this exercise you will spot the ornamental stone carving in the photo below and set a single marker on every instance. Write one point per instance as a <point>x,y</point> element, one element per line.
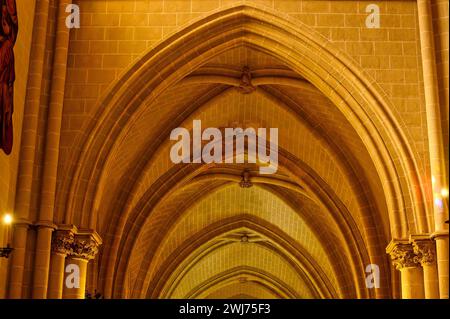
<point>85,247</point>
<point>62,242</point>
<point>245,84</point>
<point>402,255</point>
<point>425,251</point>
<point>75,243</point>
<point>245,181</point>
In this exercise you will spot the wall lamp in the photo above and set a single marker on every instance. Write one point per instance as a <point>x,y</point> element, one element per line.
<point>7,221</point>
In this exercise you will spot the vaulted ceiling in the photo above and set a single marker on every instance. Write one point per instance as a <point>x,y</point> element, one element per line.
<point>300,233</point>
<point>345,183</point>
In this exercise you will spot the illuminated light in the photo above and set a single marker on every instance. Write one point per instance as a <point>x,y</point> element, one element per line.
<point>7,219</point>
<point>438,202</point>
<point>433,180</point>
<point>444,192</point>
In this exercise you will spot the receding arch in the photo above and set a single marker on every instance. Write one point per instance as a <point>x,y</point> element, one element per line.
<point>357,96</point>
<point>299,257</point>
<point>116,266</point>
<point>275,288</point>
<point>326,68</point>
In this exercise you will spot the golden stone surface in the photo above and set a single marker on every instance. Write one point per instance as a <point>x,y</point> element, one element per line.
<point>363,127</point>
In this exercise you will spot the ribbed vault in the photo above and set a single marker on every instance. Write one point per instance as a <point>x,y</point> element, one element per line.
<point>346,181</point>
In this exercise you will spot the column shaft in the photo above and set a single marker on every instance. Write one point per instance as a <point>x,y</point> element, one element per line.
<point>56,278</point>
<point>28,144</point>
<point>17,261</point>
<point>76,292</point>
<point>435,140</point>
<point>51,153</point>
<point>442,264</point>
<point>54,119</point>
<point>412,283</point>
<point>431,90</point>
<point>430,280</point>
<point>42,262</point>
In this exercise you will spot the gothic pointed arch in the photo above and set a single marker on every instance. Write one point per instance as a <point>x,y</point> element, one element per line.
<point>313,64</point>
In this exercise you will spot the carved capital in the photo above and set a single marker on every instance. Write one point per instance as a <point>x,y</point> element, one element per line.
<point>85,249</point>
<point>402,255</point>
<point>62,241</point>
<point>425,251</point>
<point>85,245</point>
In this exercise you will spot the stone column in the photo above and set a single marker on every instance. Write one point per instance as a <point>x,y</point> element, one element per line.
<point>50,163</point>
<point>18,259</point>
<point>28,147</point>
<point>424,249</point>
<point>83,249</point>
<point>42,260</point>
<point>62,242</point>
<point>441,239</point>
<point>435,139</point>
<point>411,274</point>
